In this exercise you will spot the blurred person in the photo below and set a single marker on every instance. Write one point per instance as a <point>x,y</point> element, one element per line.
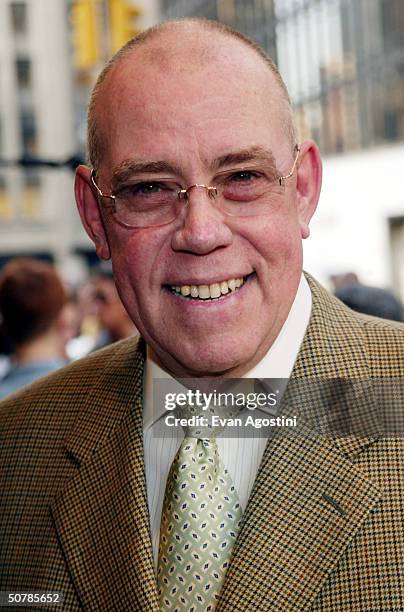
<point>36,321</point>
<point>201,196</point>
<point>114,321</point>
<point>343,279</point>
<point>71,318</point>
<point>103,318</point>
<point>83,342</point>
<point>371,301</point>
<point>5,351</point>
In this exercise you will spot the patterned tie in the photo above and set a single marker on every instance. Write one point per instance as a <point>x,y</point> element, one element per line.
<point>199,525</point>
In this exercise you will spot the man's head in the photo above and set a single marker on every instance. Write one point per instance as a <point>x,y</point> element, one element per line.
<point>189,103</point>
<point>97,141</point>
<point>32,298</point>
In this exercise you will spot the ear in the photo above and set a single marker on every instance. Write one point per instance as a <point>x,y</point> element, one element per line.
<point>308,184</point>
<point>90,213</point>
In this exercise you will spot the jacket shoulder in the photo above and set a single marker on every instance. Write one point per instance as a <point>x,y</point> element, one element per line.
<point>385,345</point>
<point>350,344</point>
<point>59,397</point>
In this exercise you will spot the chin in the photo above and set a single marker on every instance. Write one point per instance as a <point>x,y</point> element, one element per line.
<point>206,361</point>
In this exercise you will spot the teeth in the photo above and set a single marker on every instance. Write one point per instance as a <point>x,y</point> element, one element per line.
<point>205,292</point>
<point>224,287</point>
<point>214,290</point>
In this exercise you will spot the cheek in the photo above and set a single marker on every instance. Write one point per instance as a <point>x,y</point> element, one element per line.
<point>278,242</point>
<point>136,260</point>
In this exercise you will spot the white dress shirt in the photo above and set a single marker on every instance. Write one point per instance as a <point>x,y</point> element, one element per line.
<point>242,455</point>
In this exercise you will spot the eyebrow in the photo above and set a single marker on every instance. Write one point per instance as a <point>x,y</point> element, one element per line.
<point>129,167</point>
<point>253,154</point>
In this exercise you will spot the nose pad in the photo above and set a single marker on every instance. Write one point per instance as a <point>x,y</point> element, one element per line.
<point>211,191</point>
<point>202,227</point>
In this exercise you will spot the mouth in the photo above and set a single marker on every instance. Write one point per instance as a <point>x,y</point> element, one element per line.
<point>215,291</point>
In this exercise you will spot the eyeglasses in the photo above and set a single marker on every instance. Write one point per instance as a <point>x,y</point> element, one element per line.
<point>240,192</point>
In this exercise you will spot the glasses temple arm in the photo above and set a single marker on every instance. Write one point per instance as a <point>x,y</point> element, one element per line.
<point>283,178</point>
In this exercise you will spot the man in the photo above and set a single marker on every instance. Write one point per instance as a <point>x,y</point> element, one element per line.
<point>201,197</point>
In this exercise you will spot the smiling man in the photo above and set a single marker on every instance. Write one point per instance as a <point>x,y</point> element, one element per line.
<point>199,192</point>
<point>188,109</point>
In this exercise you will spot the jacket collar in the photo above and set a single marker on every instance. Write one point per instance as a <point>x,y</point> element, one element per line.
<point>332,372</point>
<point>101,516</point>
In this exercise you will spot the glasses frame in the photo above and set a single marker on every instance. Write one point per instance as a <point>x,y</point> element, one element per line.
<point>183,192</point>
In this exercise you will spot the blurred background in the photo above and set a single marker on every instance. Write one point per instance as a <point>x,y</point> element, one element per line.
<point>342,60</point>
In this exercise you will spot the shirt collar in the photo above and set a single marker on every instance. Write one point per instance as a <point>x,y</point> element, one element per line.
<point>277,363</point>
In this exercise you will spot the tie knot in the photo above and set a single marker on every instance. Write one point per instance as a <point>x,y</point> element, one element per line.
<point>199,448</point>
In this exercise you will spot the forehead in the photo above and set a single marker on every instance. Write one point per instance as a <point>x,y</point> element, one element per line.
<point>176,99</point>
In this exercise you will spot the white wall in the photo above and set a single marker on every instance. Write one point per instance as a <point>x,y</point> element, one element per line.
<point>349,231</point>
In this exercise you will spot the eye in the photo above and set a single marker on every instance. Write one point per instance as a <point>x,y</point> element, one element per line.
<point>147,188</point>
<point>243,176</point>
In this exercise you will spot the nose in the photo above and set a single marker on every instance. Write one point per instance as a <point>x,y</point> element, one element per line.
<point>202,226</point>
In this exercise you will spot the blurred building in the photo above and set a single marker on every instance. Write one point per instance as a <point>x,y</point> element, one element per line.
<point>50,54</point>
<point>36,119</point>
<point>342,60</point>
<point>335,77</point>
<point>255,18</point>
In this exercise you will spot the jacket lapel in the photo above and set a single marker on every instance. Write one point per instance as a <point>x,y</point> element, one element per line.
<point>308,503</point>
<point>101,516</point>
<point>309,500</point>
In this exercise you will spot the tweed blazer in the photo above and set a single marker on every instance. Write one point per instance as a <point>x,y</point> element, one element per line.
<point>324,525</point>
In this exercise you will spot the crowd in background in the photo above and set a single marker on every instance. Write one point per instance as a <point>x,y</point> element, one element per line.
<point>45,325</point>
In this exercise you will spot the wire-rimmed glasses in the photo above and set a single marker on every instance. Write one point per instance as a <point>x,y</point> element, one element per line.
<point>240,192</point>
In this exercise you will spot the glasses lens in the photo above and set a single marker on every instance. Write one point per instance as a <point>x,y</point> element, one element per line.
<point>249,193</point>
<point>147,204</point>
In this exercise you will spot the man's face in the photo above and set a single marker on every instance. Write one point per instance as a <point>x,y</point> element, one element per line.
<point>189,118</point>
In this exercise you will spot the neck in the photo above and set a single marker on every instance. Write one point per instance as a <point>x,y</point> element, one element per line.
<point>43,348</point>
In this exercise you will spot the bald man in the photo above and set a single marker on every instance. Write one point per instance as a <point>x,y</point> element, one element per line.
<point>199,192</point>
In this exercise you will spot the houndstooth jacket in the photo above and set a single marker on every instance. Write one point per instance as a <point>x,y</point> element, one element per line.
<point>323,529</point>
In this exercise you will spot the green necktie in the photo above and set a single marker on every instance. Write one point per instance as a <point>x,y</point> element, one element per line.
<point>199,525</point>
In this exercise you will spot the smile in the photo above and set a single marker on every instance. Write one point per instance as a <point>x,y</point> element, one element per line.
<point>209,292</point>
